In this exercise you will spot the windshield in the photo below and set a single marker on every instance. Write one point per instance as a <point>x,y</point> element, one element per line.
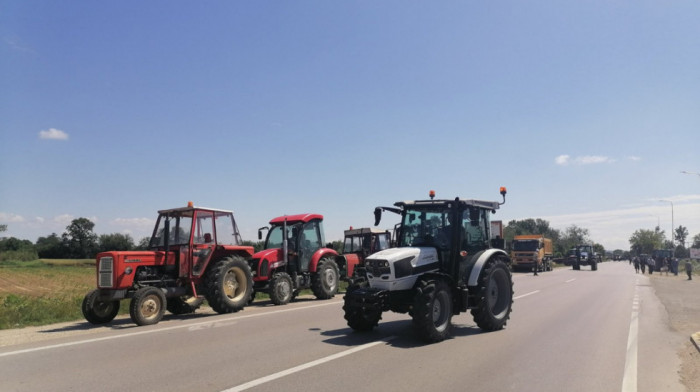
<point>274,238</point>
<point>179,230</point>
<point>425,227</point>
<point>526,245</point>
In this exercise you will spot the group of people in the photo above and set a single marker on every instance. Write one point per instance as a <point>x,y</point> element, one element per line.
<point>665,264</point>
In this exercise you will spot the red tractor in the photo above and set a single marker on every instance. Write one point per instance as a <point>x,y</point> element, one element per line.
<point>295,258</point>
<point>194,253</point>
<point>358,244</point>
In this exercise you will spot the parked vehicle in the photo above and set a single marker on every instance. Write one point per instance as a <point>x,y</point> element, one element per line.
<point>531,251</point>
<point>295,258</point>
<point>357,245</point>
<point>444,264</point>
<point>194,253</point>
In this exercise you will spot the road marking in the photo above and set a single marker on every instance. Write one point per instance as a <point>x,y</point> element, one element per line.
<point>193,327</point>
<point>283,373</point>
<point>570,280</point>
<point>629,379</point>
<point>525,295</point>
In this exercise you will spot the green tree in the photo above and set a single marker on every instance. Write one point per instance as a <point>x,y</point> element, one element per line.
<point>696,241</point>
<point>3,227</point>
<point>572,236</point>
<point>143,243</point>
<point>51,247</point>
<point>645,241</point>
<point>681,234</point>
<point>257,246</point>
<point>79,239</point>
<point>115,241</point>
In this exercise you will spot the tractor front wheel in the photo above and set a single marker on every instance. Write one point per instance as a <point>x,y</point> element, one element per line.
<point>432,311</point>
<point>97,311</point>
<point>229,284</point>
<point>281,288</point>
<point>147,306</point>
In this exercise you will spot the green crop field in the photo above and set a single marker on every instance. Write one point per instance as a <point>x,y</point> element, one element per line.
<point>41,292</point>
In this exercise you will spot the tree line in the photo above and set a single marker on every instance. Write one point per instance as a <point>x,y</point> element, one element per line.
<point>641,241</point>
<point>79,241</point>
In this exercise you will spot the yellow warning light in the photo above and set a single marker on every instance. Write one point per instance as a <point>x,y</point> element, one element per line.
<point>190,204</point>
<point>503,190</point>
<point>431,194</point>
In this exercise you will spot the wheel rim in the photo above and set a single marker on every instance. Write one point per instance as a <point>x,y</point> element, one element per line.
<point>329,278</point>
<point>150,307</point>
<point>284,290</point>
<point>497,294</point>
<point>440,310</point>
<point>234,284</point>
<point>102,308</point>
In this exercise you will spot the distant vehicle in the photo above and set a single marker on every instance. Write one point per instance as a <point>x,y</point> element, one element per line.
<point>357,245</point>
<point>295,258</point>
<point>659,255</point>
<point>531,251</point>
<point>583,255</point>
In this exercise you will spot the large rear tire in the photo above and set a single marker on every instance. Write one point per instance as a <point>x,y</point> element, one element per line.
<point>281,288</point>
<point>229,284</point>
<point>147,306</point>
<point>432,311</point>
<point>494,296</point>
<point>97,311</point>
<point>324,283</point>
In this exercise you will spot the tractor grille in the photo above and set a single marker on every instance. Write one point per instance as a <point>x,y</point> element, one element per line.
<point>378,267</point>
<point>106,272</point>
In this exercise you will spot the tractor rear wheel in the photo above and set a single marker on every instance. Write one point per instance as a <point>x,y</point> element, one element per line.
<point>184,304</point>
<point>147,306</point>
<point>432,311</point>
<point>97,311</point>
<point>281,288</point>
<point>324,283</point>
<point>229,284</point>
<point>494,296</point>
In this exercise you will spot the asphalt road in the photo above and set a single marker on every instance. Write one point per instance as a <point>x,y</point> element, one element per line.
<point>569,331</point>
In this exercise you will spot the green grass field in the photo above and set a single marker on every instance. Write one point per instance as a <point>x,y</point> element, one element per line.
<point>42,292</point>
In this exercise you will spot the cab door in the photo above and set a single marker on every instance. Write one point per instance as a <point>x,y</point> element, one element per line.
<point>203,241</point>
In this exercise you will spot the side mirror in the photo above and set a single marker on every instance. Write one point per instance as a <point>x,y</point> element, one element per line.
<point>377,216</point>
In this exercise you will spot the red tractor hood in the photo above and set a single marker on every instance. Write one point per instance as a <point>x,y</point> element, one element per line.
<point>271,255</point>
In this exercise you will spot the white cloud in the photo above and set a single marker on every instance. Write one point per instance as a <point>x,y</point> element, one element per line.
<point>134,222</point>
<point>562,160</point>
<point>11,218</point>
<point>64,219</point>
<point>633,158</point>
<point>53,134</point>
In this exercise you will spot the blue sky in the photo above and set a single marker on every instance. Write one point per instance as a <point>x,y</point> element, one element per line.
<point>587,111</point>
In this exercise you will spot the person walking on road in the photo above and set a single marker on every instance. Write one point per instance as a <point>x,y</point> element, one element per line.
<point>636,264</point>
<point>689,269</point>
<point>643,264</point>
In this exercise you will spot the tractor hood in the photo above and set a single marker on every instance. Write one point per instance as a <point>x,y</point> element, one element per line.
<point>398,268</point>
<point>271,255</point>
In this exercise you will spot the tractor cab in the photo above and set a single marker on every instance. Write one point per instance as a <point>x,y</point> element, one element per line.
<point>357,245</point>
<point>191,234</point>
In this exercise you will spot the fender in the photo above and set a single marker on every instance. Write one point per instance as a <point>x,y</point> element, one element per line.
<point>480,262</point>
<point>318,255</point>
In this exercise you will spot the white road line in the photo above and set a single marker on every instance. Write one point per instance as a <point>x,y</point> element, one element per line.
<point>570,280</point>
<point>629,379</point>
<point>283,373</point>
<point>525,295</point>
<point>150,331</point>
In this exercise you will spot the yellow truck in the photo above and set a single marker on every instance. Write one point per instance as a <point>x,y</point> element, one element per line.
<point>531,250</point>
